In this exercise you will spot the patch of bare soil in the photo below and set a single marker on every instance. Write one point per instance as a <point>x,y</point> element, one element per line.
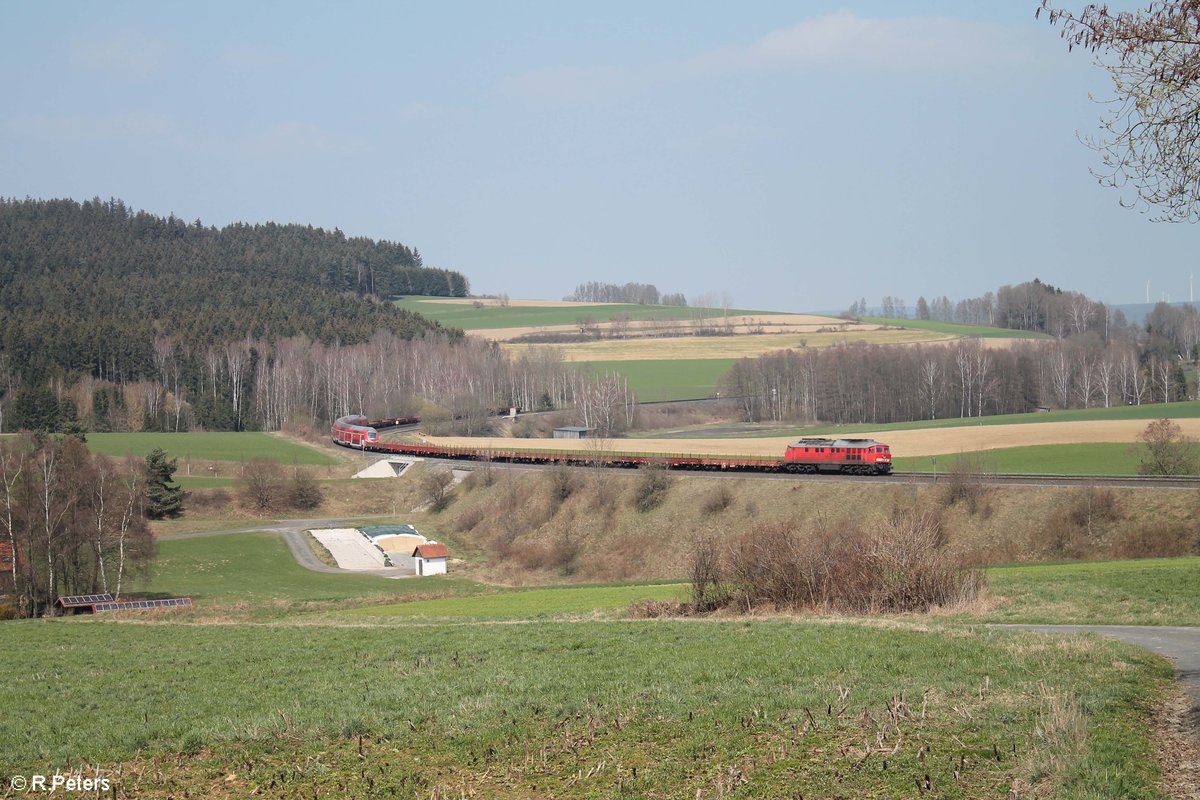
<point>1177,744</point>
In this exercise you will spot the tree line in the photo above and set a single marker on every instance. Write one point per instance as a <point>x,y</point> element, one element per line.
<point>262,385</point>
<point>85,288</point>
<point>645,294</point>
<point>854,383</point>
<point>72,523</point>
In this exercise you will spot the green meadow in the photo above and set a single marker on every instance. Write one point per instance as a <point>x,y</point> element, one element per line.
<point>205,446</point>
<point>1158,591</point>
<point>980,331</point>
<point>577,709</point>
<point>680,379</point>
<point>340,685</point>
<point>531,603</point>
<point>257,570</point>
<point>469,318</point>
<point>1108,458</point>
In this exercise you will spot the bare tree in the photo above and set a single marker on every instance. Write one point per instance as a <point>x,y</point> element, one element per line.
<point>1151,130</point>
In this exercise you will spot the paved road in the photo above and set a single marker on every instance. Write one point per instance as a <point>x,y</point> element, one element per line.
<point>292,533</point>
<point>1181,645</point>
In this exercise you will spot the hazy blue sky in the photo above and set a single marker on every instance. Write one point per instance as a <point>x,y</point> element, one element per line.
<point>796,155</point>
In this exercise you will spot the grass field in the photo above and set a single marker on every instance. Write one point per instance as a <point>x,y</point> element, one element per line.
<point>680,379</point>
<point>256,570</point>
<point>981,331</point>
<point>1117,458</point>
<point>531,603</point>
<point>209,447</point>
<point>469,318</point>
<point>433,698</point>
<point>1188,409</point>
<point>768,709</point>
<point>1144,592</point>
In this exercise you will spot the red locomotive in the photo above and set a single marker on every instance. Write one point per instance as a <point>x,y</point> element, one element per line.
<point>853,456</point>
<point>847,456</point>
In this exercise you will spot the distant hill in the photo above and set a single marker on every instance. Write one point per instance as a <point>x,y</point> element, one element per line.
<point>86,287</point>
<point>1137,312</point>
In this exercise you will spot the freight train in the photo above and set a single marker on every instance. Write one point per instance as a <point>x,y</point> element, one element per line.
<point>845,456</point>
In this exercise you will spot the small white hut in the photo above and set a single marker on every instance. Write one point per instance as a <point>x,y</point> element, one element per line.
<point>430,558</point>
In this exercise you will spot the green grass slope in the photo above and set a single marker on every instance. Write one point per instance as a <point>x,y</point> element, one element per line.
<point>209,446</point>
<point>469,318</point>
<point>980,331</point>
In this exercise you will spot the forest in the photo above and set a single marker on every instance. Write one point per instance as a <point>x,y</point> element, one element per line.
<point>85,288</point>
<point>70,523</point>
<point>1095,358</point>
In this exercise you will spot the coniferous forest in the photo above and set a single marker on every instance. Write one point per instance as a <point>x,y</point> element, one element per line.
<point>95,292</point>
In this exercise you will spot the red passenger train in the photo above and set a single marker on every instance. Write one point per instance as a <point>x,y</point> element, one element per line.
<point>846,456</point>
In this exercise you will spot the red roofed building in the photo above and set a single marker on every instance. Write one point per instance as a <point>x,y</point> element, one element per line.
<point>430,558</point>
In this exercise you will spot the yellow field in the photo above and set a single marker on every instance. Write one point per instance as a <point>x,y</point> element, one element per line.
<point>928,442</point>
<point>738,325</point>
<point>718,347</point>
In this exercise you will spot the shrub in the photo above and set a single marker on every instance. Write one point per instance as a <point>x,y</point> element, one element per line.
<point>651,488</point>
<point>719,500</point>
<point>656,609</point>
<point>1156,540</point>
<point>468,519</point>
<point>209,500</point>
<point>562,483</point>
<point>897,567</point>
<point>259,488</point>
<point>708,591</point>
<point>435,486</point>
<point>964,483</point>
<point>304,493</point>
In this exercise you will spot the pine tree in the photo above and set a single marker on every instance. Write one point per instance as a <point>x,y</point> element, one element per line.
<point>164,497</point>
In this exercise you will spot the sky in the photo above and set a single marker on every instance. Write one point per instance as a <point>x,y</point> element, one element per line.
<point>785,156</point>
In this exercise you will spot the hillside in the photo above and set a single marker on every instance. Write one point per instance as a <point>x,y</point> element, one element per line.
<point>86,287</point>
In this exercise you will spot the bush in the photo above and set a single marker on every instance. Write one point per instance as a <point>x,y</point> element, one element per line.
<point>1156,540</point>
<point>651,488</point>
<point>260,487</point>
<point>304,493</point>
<point>435,486</point>
<point>209,500</point>
<point>468,519</point>
<point>562,483</point>
<point>964,483</point>
<point>719,500</point>
<point>705,575</point>
<point>897,567</point>
<point>483,475</point>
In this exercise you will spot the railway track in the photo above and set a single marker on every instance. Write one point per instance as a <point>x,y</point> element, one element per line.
<point>725,465</point>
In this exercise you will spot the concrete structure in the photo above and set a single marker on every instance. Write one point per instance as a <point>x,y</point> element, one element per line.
<point>390,467</point>
<point>350,548</point>
<point>572,432</point>
<point>431,558</point>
